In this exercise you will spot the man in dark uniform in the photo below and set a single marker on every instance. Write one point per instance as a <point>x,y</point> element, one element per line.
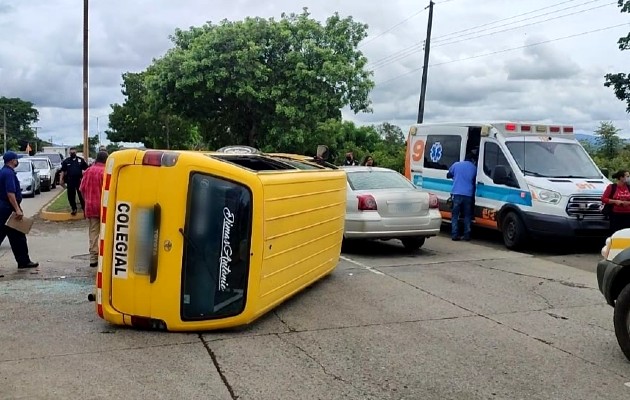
<point>71,173</point>
<point>10,199</point>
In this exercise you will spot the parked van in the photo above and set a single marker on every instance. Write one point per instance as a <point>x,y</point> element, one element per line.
<point>532,180</point>
<point>200,241</point>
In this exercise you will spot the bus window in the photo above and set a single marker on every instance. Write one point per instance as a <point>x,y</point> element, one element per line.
<point>216,255</point>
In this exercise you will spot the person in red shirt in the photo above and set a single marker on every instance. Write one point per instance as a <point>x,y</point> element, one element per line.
<point>92,189</point>
<point>620,200</point>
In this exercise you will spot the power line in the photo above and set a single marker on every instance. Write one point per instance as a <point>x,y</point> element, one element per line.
<point>391,28</point>
<point>534,17</point>
<point>404,53</point>
<point>523,26</point>
<point>505,19</point>
<point>505,51</point>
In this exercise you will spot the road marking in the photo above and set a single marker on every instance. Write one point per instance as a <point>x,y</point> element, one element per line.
<point>350,260</point>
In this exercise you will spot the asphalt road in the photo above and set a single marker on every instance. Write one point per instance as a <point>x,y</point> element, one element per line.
<point>452,321</point>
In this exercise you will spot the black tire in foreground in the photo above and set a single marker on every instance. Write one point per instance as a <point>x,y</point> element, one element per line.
<point>622,320</point>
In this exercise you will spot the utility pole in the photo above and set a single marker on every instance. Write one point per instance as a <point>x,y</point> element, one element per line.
<point>36,138</point>
<point>427,48</point>
<point>86,140</point>
<point>4,129</point>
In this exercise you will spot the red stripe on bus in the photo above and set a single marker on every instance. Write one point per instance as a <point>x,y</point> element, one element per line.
<point>99,309</point>
<point>99,280</point>
<point>101,247</point>
<point>108,179</point>
<point>103,215</point>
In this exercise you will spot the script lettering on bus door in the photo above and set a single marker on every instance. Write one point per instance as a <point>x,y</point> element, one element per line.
<point>121,240</point>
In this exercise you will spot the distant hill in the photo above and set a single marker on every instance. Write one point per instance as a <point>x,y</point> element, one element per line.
<point>592,139</point>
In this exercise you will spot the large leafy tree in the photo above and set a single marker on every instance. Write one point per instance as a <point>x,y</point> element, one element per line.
<point>620,82</point>
<point>141,119</point>
<point>264,83</point>
<point>20,115</point>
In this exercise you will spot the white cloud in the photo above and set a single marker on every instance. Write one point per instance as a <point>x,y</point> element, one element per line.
<point>557,81</point>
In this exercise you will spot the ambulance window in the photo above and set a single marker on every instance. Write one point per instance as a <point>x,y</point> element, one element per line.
<point>442,151</point>
<point>493,157</point>
<point>217,235</point>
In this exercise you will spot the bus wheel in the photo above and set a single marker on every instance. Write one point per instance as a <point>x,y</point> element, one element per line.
<point>622,320</point>
<point>514,232</point>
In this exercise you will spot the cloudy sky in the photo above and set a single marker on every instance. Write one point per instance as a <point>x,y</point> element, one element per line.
<point>547,63</point>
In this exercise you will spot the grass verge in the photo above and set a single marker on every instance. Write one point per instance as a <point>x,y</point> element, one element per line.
<point>60,204</point>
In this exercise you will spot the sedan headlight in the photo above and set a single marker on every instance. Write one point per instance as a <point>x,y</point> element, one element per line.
<point>545,195</point>
<point>606,248</point>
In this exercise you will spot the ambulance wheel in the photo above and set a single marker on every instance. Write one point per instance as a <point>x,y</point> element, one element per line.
<point>621,320</point>
<point>514,231</point>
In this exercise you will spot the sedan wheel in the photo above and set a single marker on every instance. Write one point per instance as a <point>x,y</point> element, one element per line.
<point>413,243</point>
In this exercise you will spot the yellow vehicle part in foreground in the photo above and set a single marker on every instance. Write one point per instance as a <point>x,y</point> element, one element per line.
<point>202,241</point>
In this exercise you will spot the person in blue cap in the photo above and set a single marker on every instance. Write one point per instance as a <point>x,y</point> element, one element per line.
<point>10,199</point>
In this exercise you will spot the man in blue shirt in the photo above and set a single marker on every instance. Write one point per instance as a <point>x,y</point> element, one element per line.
<point>10,199</point>
<point>464,175</point>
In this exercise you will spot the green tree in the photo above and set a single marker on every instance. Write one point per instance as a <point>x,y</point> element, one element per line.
<point>92,145</point>
<point>620,82</point>
<point>391,134</point>
<point>264,83</point>
<point>609,140</point>
<point>20,115</point>
<point>141,119</point>
<point>112,147</point>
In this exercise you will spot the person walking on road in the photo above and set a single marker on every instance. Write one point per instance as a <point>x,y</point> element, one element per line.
<point>92,189</point>
<point>617,195</point>
<point>71,173</point>
<point>10,199</point>
<point>464,175</point>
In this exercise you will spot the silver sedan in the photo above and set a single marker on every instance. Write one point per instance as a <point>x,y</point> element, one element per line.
<point>383,204</point>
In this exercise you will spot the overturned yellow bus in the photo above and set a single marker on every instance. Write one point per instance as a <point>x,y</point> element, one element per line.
<point>195,241</point>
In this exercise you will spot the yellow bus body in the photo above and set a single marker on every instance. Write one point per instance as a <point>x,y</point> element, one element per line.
<point>153,271</point>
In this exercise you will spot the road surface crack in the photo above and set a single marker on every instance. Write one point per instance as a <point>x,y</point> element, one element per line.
<point>560,281</point>
<point>546,300</point>
<point>321,366</point>
<point>286,325</point>
<point>550,344</point>
<point>218,367</point>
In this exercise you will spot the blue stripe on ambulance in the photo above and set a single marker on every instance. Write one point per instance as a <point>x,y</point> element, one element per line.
<point>498,193</point>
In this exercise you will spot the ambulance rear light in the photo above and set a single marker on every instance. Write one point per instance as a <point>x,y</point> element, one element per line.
<point>554,129</point>
<point>158,158</point>
<point>541,128</point>
<point>526,128</point>
<point>510,127</point>
<point>567,129</point>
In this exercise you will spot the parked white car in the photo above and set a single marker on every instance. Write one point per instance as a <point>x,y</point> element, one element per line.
<point>30,183</point>
<point>46,172</point>
<point>383,204</point>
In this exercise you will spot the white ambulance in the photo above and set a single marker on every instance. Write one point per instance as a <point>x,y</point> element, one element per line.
<point>533,180</point>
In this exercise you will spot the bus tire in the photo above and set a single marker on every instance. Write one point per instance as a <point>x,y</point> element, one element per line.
<point>514,231</point>
<point>621,320</point>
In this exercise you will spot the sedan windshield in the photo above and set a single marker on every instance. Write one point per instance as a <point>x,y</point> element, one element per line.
<point>553,160</point>
<point>371,180</point>
<point>40,164</point>
<point>23,166</point>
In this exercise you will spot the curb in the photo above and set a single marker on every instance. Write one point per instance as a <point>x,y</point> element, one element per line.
<point>57,216</point>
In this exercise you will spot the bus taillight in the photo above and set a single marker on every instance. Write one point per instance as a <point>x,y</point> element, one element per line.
<point>158,158</point>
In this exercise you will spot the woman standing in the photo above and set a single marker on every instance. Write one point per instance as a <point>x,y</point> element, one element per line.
<point>617,195</point>
<point>368,161</point>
